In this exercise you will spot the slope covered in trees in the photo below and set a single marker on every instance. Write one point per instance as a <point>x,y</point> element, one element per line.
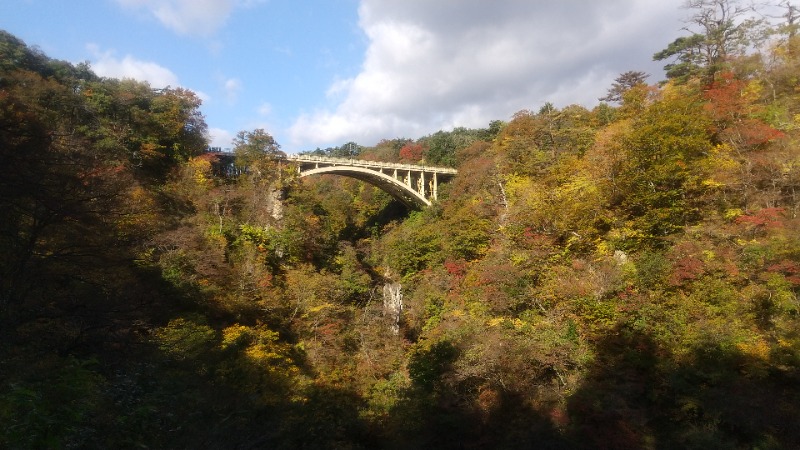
<point>621,277</point>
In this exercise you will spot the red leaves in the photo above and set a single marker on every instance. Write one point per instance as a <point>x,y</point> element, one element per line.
<point>734,111</point>
<point>725,99</point>
<point>687,263</point>
<point>789,269</point>
<point>764,219</point>
<point>456,268</point>
<point>688,268</point>
<point>753,132</point>
<point>412,152</point>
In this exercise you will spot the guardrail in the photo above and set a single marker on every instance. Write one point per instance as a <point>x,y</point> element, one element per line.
<point>377,164</point>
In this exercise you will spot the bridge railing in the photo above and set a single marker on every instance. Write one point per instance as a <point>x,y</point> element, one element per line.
<point>376,164</point>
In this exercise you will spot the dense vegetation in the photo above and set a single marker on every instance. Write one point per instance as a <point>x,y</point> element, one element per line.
<point>622,277</point>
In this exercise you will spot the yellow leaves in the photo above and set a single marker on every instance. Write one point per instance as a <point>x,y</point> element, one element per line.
<point>733,213</point>
<point>626,233</point>
<point>241,335</point>
<point>516,185</point>
<point>234,335</point>
<point>314,294</point>
<point>150,150</point>
<point>258,361</point>
<point>788,167</point>
<point>200,170</point>
<point>722,154</point>
<point>140,212</point>
<point>268,358</point>
<point>603,247</point>
<point>515,323</point>
<point>518,258</point>
<point>319,308</point>
<point>757,348</point>
<point>577,187</point>
<point>758,351</point>
<point>752,91</point>
<point>215,237</point>
<point>711,184</point>
<point>140,196</point>
<point>720,167</point>
<point>495,321</point>
<point>255,234</point>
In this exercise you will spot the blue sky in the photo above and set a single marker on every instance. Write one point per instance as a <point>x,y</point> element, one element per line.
<point>318,73</point>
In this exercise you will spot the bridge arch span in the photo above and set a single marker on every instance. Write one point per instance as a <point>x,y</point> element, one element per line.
<point>392,186</point>
<point>414,185</point>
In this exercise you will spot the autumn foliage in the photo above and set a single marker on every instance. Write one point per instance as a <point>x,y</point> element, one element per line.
<point>625,276</point>
<point>412,152</point>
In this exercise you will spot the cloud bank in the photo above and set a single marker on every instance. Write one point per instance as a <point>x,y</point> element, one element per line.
<point>106,64</point>
<point>436,65</point>
<point>190,17</point>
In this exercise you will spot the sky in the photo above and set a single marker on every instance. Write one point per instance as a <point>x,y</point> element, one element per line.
<point>321,73</point>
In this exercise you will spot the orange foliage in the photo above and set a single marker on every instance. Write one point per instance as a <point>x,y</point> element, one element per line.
<point>732,107</point>
<point>764,219</point>
<point>412,152</point>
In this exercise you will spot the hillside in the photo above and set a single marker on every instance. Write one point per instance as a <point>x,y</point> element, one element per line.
<point>620,277</point>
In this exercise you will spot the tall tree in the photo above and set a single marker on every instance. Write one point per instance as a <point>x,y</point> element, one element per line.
<point>718,30</point>
<point>256,143</point>
<point>791,19</point>
<point>623,83</point>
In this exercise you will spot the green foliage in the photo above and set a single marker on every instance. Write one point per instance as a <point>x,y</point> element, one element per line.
<point>443,146</point>
<point>467,234</point>
<point>414,246</point>
<point>660,179</point>
<point>185,338</point>
<point>53,409</point>
<point>348,150</point>
<point>723,29</point>
<point>428,362</point>
<point>353,281</point>
<point>623,83</point>
<point>252,146</point>
<point>650,269</point>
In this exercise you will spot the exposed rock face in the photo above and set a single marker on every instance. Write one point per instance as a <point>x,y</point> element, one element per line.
<point>393,304</point>
<point>276,197</point>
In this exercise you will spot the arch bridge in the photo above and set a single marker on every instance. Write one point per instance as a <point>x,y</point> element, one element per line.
<point>414,185</point>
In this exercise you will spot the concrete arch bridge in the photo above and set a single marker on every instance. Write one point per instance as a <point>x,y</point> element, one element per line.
<point>414,185</point>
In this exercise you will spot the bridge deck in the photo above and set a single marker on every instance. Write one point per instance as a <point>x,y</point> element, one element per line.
<point>371,164</point>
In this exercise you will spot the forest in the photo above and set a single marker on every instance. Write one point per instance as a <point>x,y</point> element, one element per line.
<point>621,277</point>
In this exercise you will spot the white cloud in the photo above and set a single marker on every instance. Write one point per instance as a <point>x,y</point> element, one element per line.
<point>190,17</point>
<point>220,138</point>
<point>232,87</point>
<point>434,65</point>
<point>264,109</point>
<point>106,64</point>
